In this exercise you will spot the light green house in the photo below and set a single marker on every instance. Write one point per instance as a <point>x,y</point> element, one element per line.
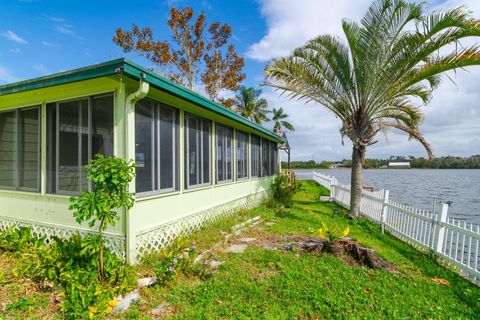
<point>196,160</point>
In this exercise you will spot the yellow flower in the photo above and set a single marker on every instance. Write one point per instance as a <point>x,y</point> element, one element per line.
<point>113,303</point>
<point>108,309</point>
<point>321,233</point>
<point>346,232</point>
<point>92,309</point>
<point>90,315</point>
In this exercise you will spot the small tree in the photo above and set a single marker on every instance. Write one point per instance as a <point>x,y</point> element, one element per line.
<point>110,178</point>
<point>249,104</point>
<point>197,52</point>
<point>279,119</point>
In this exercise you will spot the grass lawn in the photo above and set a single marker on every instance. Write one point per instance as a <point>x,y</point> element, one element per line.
<point>272,284</point>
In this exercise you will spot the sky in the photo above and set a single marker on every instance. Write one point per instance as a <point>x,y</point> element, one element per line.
<point>40,37</point>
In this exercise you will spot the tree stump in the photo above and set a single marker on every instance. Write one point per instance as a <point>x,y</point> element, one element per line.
<point>346,249</point>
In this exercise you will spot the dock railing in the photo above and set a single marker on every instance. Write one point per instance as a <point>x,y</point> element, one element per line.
<point>456,242</point>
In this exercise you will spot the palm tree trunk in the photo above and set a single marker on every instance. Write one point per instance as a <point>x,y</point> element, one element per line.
<point>357,179</point>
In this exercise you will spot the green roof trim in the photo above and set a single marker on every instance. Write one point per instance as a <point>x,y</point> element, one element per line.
<point>135,71</point>
<point>85,73</point>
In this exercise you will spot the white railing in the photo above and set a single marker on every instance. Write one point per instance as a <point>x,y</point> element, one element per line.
<point>456,242</point>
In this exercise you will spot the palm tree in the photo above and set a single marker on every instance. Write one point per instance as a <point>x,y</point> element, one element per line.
<point>249,104</point>
<point>380,77</point>
<point>278,117</point>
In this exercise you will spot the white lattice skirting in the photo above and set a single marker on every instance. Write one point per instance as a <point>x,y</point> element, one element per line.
<point>161,236</point>
<point>116,243</point>
<point>149,240</point>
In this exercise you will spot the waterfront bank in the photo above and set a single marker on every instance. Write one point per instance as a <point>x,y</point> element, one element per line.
<point>419,187</point>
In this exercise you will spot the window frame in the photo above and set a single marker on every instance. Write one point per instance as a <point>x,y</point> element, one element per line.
<point>155,125</point>
<point>55,153</point>
<point>247,155</point>
<point>17,186</point>
<point>200,147</point>
<point>232,160</point>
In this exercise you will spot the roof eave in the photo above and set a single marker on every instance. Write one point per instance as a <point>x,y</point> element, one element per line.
<point>95,71</point>
<point>135,70</point>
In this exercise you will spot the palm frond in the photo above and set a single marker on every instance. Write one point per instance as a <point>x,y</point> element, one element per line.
<point>413,134</point>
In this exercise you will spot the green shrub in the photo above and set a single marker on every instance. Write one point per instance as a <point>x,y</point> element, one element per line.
<point>178,257</point>
<point>89,274</point>
<point>17,239</point>
<point>73,266</point>
<point>110,177</point>
<point>283,190</point>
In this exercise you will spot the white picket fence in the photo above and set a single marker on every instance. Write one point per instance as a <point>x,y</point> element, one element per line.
<point>456,242</point>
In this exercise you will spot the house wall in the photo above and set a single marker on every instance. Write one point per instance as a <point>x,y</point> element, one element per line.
<point>156,220</point>
<point>153,221</point>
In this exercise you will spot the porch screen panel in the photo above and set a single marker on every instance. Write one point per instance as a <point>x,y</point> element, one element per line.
<point>167,148</point>
<point>20,149</point>
<point>197,150</point>
<point>102,125</point>
<point>265,158</point>
<point>144,180</point>
<point>29,149</point>
<point>77,131</point>
<point>273,158</point>
<point>242,154</point>
<point>69,147</point>
<point>224,153</point>
<point>156,147</point>
<point>256,155</point>
<point>193,152</point>
<point>206,152</point>
<point>8,149</point>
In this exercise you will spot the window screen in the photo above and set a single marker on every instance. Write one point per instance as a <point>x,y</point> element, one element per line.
<point>77,131</point>
<point>273,158</point>
<point>256,155</point>
<point>197,150</point>
<point>265,158</point>
<point>242,154</point>
<point>20,149</point>
<point>224,153</point>
<point>156,147</point>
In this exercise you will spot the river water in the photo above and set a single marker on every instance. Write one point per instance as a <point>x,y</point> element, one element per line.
<point>419,187</point>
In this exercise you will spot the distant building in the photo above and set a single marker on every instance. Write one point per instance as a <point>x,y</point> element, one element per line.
<point>336,165</point>
<point>399,165</point>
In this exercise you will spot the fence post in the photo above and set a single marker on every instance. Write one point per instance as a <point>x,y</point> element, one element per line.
<point>332,186</point>
<point>440,229</point>
<point>386,194</point>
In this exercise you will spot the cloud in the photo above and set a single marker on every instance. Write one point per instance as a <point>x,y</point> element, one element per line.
<point>291,23</point>
<point>452,118</point>
<point>15,50</point>
<point>41,69</point>
<point>49,44</point>
<point>6,76</point>
<point>63,27</point>
<point>56,19</point>
<point>10,35</point>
